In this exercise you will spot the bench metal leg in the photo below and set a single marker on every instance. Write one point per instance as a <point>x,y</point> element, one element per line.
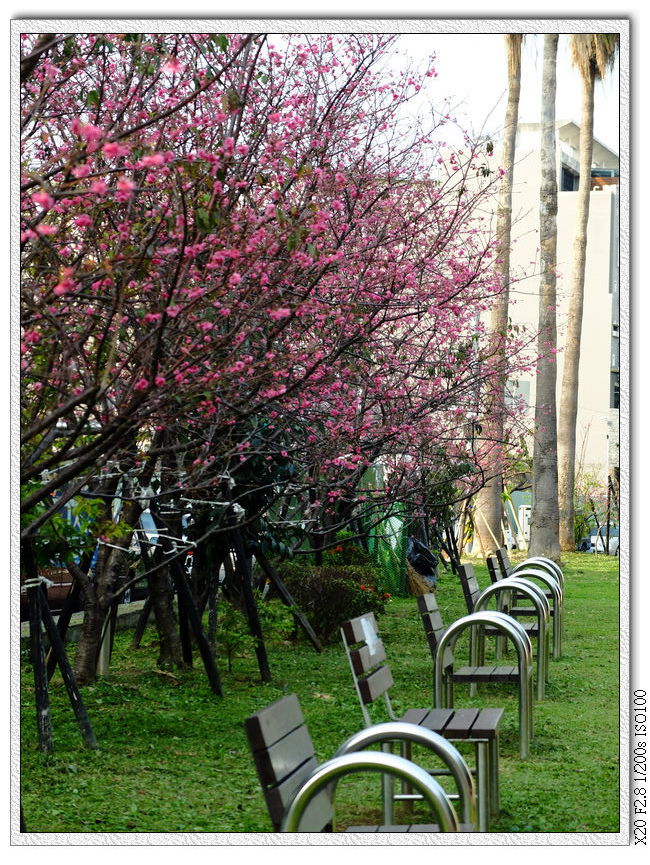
<point>483,784</point>
<point>542,660</point>
<point>525,714</point>
<point>493,757</point>
<point>387,790</point>
<point>406,751</point>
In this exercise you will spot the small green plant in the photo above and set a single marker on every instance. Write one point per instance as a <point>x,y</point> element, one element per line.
<point>233,633</point>
<point>276,619</point>
<point>590,504</point>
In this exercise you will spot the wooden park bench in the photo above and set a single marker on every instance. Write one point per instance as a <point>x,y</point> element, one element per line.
<point>531,591</point>
<point>299,793</point>
<point>534,629</point>
<point>479,727</point>
<point>481,672</point>
<point>538,570</point>
<point>478,624</point>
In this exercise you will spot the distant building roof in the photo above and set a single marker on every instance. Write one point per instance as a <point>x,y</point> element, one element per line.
<point>569,137</point>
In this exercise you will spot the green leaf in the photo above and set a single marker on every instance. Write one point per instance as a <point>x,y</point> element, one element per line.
<point>92,98</point>
<point>203,219</point>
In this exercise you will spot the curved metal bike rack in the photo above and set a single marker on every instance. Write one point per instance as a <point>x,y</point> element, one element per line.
<point>540,602</point>
<point>514,631</point>
<point>540,562</point>
<point>557,594</point>
<point>400,731</point>
<point>371,761</point>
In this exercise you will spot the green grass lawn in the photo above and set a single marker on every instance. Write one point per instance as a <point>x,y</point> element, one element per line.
<point>173,757</point>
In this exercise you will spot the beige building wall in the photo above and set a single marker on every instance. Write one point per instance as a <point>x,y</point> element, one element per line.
<point>597,425</point>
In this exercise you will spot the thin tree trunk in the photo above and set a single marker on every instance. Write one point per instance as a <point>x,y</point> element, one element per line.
<point>570,377</point>
<point>488,500</point>
<point>545,510</point>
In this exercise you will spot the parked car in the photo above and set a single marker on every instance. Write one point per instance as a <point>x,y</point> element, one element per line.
<point>59,583</point>
<point>598,539</point>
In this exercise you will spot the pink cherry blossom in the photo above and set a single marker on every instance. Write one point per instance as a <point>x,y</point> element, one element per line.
<point>43,199</point>
<point>280,313</point>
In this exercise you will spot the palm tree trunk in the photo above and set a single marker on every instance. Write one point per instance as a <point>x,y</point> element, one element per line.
<point>488,505</point>
<point>544,539</point>
<point>569,393</point>
<point>594,55</point>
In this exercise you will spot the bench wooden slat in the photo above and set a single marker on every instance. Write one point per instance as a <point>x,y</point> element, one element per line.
<point>493,568</point>
<point>354,629</point>
<point>364,829</point>
<point>436,719</point>
<point>504,561</point>
<point>474,674</point>
<point>427,603</point>
<point>375,684</point>
<point>487,724</point>
<point>277,798</point>
<point>276,762</point>
<point>396,828</point>
<point>363,659</point>
<point>469,583</point>
<point>530,611</point>
<point>414,716</point>
<point>460,726</point>
<point>432,621</point>
<point>434,627</point>
<point>505,674</point>
<point>274,722</point>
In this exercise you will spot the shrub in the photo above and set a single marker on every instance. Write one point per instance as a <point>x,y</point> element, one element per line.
<point>333,593</point>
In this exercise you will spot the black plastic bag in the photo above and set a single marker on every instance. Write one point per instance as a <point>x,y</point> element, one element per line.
<point>422,560</point>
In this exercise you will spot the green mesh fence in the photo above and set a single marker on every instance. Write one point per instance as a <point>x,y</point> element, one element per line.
<point>387,545</point>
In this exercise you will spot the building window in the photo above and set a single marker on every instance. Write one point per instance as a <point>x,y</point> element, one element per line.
<point>569,180</point>
<point>615,395</point>
<point>516,392</point>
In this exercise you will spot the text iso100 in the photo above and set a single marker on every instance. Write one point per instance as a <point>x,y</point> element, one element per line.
<point>639,768</point>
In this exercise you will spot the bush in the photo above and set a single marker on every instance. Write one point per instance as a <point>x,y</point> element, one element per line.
<point>333,593</point>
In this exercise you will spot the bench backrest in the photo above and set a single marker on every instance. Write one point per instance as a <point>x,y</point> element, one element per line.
<point>494,569</point>
<point>284,757</point>
<point>504,561</point>
<point>433,625</point>
<point>367,657</point>
<point>471,588</point>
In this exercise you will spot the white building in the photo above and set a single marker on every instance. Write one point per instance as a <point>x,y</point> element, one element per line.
<point>597,422</point>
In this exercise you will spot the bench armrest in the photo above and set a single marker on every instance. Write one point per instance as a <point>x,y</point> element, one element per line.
<point>371,761</point>
<point>449,755</point>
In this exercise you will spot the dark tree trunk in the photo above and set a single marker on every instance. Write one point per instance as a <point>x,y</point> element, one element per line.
<point>161,601</point>
<point>243,573</point>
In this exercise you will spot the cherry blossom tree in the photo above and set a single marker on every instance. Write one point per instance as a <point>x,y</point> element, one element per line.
<point>244,282</point>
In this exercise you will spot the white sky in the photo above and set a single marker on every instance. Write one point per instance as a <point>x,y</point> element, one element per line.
<point>480,86</point>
